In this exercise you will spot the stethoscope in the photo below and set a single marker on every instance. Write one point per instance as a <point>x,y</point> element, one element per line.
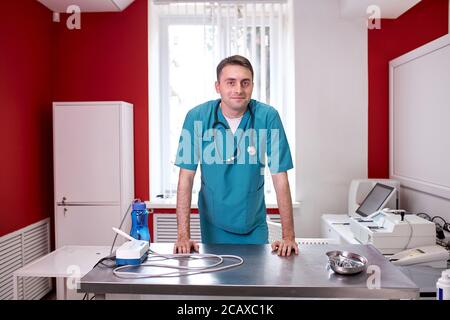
<point>251,149</point>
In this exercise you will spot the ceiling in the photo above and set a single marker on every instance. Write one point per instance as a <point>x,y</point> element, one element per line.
<point>87,5</point>
<point>390,9</point>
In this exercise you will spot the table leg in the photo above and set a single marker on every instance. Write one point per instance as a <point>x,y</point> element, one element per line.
<point>15,287</point>
<point>61,289</point>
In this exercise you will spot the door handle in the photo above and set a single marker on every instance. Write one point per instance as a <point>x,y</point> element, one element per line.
<point>62,203</point>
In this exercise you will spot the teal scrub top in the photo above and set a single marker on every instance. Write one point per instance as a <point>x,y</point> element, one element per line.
<point>231,197</point>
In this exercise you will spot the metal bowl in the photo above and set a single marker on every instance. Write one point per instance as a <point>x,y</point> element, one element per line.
<point>344,262</point>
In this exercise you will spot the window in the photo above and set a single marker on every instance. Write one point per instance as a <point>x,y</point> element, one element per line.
<point>187,41</point>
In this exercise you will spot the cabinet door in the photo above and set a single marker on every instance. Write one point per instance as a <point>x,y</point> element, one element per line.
<point>86,225</point>
<point>86,153</point>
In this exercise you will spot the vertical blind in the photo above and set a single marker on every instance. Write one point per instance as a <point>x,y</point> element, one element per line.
<point>212,30</point>
<point>254,29</point>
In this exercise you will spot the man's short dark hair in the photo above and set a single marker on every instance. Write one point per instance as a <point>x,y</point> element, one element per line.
<point>236,61</point>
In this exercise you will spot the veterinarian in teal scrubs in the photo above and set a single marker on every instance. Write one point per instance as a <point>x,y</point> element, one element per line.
<point>230,138</point>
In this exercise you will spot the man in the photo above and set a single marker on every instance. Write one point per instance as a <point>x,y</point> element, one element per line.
<point>224,136</point>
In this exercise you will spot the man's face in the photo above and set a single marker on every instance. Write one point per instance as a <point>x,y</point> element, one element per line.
<point>235,87</point>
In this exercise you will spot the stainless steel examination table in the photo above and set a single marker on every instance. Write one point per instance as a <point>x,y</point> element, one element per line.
<point>263,274</point>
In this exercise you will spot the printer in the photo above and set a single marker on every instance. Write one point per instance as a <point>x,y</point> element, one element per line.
<point>389,234</point>
<point>389,230</point>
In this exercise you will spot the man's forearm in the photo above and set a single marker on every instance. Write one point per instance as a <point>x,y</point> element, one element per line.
<point>284,201</point>
<point>184,197</point>
<point>286,214</point>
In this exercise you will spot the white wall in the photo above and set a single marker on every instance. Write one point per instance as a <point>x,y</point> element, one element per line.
<point>331,109</point>
<point>417,201</point>
<point>419,148</point>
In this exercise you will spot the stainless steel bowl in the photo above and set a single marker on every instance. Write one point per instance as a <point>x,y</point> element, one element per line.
<point>344,262</point>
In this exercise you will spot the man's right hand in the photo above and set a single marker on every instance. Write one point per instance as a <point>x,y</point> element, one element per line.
<point>185,246</point>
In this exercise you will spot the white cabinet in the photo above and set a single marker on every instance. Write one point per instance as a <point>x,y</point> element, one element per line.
<point>86,225</point>
<point>93,170</point>
<point>87,146</point>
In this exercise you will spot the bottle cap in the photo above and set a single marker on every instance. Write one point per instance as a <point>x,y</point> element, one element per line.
<point>138,205</point>
<point>446,274</point>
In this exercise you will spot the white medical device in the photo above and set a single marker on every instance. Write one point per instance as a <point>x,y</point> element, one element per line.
<point>360,188</point>
<point>433,256</point>
<point>133,252</point>
<point>390,231</point>
<point>390,234</point>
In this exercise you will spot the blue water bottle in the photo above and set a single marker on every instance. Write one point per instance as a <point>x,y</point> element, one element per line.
<point>139,218</point>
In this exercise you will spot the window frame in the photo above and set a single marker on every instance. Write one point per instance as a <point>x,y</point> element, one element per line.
<point>162,148</point>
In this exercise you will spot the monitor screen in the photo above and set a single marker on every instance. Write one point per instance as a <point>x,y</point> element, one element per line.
<point>374,201</point>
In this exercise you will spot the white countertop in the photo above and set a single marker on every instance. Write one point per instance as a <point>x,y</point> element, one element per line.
<point>65,260</point>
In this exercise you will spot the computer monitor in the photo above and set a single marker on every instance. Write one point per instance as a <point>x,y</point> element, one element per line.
<point>376,199</point>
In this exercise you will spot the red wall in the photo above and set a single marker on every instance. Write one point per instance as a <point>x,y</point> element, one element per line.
<point>107,60</point>
<point>425,22</point>
<point>26,172</point>
<point>42,62</point>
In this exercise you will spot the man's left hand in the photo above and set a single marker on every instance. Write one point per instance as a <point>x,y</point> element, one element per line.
<point>285,247</point>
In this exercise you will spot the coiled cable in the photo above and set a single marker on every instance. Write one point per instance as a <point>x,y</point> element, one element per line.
<point>180,270</point>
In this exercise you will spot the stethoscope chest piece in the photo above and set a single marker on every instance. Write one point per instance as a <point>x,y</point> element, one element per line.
<point>251,150</point>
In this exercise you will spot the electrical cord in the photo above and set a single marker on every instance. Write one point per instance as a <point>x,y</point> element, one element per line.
<point>440,228</point>
<point>404,217</point>
<point>440,218</point>
<point>111,256</point>
<point>424,215</point>
<point>411,231</point>
<point>154,257</point>
<point>180,270</point>
<point>108,258</point>
<point>445,226</point>
<point>442,243</point>
<point>120,228</point>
